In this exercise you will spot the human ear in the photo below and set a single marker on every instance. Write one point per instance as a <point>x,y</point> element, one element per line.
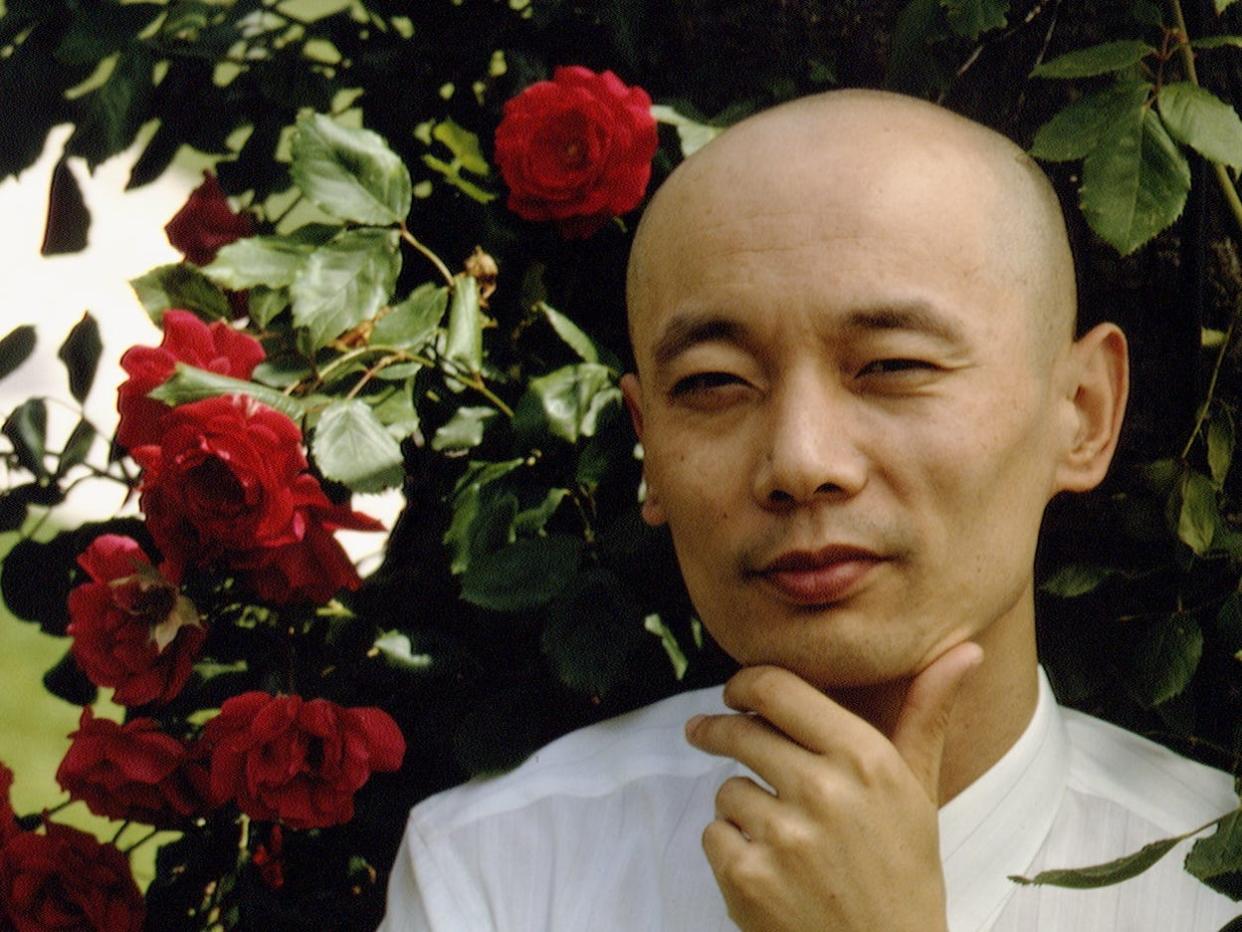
<point>1099,386</point>
<point>632,394</point>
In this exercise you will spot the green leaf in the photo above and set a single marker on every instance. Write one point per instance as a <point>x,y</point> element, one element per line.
<point>352,446</point>
<point>189,383</point>
<point>451,172</point>
<point>1075,579</point>
<point>77,447</point>
<point>1103,875</point>
<point>526,574</point>
<point>16,348</point>
<point>1198,517</point>
<point>100,30</point>
<point>274,261</point>
<point>464,145</point>
<point>592,629</point>
<point>567,403</point>
<point>1165,659</point>
<point>464,344</point>
<point>397,413</point>
<point>913,66</point>
<point>1222,5</point>
<point>180,285</point>
<point>1147,13</point>
<point>577,340</point>
<point>676,656</point>
<point>397,650</point>
<point>116,110</point>
<point>1134,183</point>
<point>80,354</point>
<point>463,430</point>
<point>532,520</point>
<point>414,321</point>
<point>1217,42</point>
<point>970,18</point>
<point>350,173</point>
<point>345,282</point>
<point>1217,859</point>
<point>1229,623</point>
<point>1198,118</point>
<point>1220,445</point>
<point>1075,131</point>
<point>1094,60</point>
<point>263,304</point>
<point>691,134</point>
<point>26,429</point>
<point>482,518</point>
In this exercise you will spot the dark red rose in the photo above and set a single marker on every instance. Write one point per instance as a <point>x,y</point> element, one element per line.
<point>299,762</point>
<point>206,223</point>
<point>576,149</point>
<point>131,628</point>
<point>228,486</point>
<point>67,880</point>
<point>8,818</point>
<point>269,860</point>
<point>218,348</point>
<point>131,772</point>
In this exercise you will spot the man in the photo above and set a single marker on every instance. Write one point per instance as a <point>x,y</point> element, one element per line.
<point>858,387</point>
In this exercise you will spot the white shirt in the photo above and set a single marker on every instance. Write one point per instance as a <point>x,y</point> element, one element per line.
<point>600,830</point>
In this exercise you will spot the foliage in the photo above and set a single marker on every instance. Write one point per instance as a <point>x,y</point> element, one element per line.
<point>519,593</point>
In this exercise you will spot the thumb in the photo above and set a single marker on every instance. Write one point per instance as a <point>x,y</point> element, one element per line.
<point>923,721</point>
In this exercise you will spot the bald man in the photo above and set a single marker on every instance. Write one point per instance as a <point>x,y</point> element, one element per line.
<point>858,386</point>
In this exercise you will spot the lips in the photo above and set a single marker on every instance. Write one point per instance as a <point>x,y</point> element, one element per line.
<point>819,577</point>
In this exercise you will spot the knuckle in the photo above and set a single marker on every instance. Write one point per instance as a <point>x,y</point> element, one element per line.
<point>759,687</point>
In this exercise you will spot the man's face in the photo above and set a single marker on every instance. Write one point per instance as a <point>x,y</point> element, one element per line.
<point>846,422</point>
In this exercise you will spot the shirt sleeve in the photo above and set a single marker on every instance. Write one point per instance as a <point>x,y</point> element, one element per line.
<point>426,895</point>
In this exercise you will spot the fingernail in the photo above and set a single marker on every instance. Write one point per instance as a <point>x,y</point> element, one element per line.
<point>693,724</point>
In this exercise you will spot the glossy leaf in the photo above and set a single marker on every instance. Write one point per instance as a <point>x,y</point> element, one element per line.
<point>1074,132</point>
<point>116,110</point>
<point>80,354</point>
<point>676,656</point>
<point>1198,118</point>
<point>1217,42</point>
<point>77,447</point>
<point>16,348</point>
<point>691,134</point>
<point>189,383</point>
<point>414,321</point>
<point>1217,859</point>
<point>1076,579</point>
<point>1095,60</point>
<point>1106,874</point>
<point>1198,517</point>
<point>526,574</point>
<point>350,173</point>
<point>464,145</point>
<point>592,629</point>
<point>26,428</point>
<point>1134,183</point>
<point>532,520</point>
<point>482,519</point>
<point>345,282</point>
<point>463,430</point>
<point>180,285</point>
<point>577,340</point>
<point>1220,445</point>
<point>1165,659</point>
<point>970,18</point>
<point>351,446</point>
<point>264,304</point>
<point>464,344</point>
<point>1222,5</point>
<point>274,261</point>
<point>567,403</point>
<point>397,413</point>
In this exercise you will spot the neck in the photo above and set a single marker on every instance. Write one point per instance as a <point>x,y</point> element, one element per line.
<point>993,707</point>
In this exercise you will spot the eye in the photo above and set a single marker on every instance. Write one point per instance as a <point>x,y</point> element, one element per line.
<point>707,389</point>
<point>889,366</point>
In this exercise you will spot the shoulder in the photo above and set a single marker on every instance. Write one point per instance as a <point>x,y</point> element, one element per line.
<point>1164,788</point>
<point>595,761</point>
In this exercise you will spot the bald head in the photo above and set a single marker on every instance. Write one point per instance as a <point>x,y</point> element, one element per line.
<point>827,166</point>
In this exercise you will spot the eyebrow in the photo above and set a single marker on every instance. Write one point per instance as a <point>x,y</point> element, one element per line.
<point>690,329</point>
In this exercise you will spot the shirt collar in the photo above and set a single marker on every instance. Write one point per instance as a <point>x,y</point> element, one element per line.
<point>996,826</point>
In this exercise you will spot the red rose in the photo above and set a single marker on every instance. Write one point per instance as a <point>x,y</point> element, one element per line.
<point>576,149</point>
<point>228,486</point>
<point>279,757</point>
<point>218,348</point>
<point>67,880</point>
<point>8,818</point>
<point>131,628</point>
<point>206,223</point>
<point>132,772</point>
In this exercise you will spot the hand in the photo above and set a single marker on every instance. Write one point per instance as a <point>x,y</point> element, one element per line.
<point>849,839</point>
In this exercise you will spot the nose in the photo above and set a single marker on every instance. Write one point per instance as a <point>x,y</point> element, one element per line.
<point>810,451</point>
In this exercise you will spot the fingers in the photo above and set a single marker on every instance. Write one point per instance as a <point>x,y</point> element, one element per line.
<point>747,806</point>
<point>751,741</point>
<point>923,721</point>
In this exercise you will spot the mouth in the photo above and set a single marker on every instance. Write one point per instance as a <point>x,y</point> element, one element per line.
<point>819,577</point>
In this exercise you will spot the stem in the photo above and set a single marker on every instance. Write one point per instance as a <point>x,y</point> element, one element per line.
<point>1187,54</point>
<point>1211,389</point>
<point>141,841</point>
<point>476,382</point>
<point>431,256</point>
<point>120,831</point>
<point>370,374</point>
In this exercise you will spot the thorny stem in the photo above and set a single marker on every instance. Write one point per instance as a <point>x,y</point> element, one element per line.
<point>431,256</point>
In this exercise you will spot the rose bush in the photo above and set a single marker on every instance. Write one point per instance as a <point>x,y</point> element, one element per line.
<point>8,818</point>
<point>228,485</point>
<point>216,347</point>
<point>206,223</point>
<point>131,628</point>
<point>300,762</point>
<point>576,149</point>
<point>66,879</point>
<point>132,772</point>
